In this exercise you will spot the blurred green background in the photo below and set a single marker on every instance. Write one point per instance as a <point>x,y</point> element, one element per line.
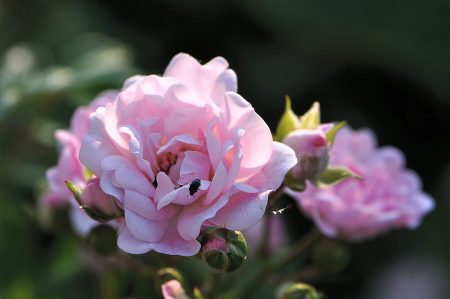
<point>379,64</point>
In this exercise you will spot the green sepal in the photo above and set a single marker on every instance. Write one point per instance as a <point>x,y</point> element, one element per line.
<point>224,260</point>
<point>311,119</point>
<point>331,134</point>
<point>76,191</point>
<point>333,176</point>
<point>198,294</point>
<point>295,184</point>
<point>288,122</point>
<point>87,173</point>
<point>298,291</point>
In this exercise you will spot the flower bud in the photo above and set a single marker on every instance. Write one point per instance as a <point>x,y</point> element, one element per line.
<point>173,290</point>
<point>298,291</point>
<point>312,151</point>
<point>97,204</point>
<point>223,250</point>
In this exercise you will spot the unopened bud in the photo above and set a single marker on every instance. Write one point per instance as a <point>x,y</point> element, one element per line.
<point>173,290</point>
<point>298,291</point>
<point>223,250</point>
<point>97,204</point>
<point>312,151</point>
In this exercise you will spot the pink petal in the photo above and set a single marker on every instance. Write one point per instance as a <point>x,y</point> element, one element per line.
<point>136,146</point>
<point>173,244</point>
<point>176,143</point>
<point>128,243</point>
<point>257,140</point>
<point>96,144</point>
<point>205,78</point>
<point>165,186</point>
<point>193,167</point>
<point>213,142</point>
<point>242,211</point>
<point>144,229</point>
<point>217,184</point>
<point>273,173</point>
<point>192,217</point>
<point>144,207</point>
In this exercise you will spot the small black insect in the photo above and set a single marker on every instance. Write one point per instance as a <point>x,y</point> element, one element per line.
<point>193,187</point>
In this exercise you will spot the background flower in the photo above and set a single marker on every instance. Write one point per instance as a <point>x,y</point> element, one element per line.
<point>161,134</point>
<point>388,196</point>
<point>69,166</point>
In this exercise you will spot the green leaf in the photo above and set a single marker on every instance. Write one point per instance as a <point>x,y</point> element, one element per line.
<point>288,122</point>
<point>311,119</point>
<point>333,176</point>
<point>295,184</point>
<point>331,134</point>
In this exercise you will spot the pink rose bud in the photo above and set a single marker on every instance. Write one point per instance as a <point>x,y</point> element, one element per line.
<point>223,250</point>
<point>173,290</point>
<point>97,204</point>
<point>311,149</point>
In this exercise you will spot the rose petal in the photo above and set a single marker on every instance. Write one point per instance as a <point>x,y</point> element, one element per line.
<point>242,211</point>
<point>272,174</point>
<point>192,217</point>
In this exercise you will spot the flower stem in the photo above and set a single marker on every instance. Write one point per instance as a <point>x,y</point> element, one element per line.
<point>258,277</point>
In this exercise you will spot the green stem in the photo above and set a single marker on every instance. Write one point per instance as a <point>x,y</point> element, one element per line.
<point>258,277</point>
<point>108,284</point>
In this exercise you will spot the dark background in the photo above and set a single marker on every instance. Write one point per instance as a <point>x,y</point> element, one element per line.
<point>378,64</point>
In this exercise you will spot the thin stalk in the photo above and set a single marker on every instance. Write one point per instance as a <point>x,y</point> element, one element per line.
<point>258,277</point>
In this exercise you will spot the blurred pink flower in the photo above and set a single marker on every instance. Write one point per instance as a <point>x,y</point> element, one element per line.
<point>184,151</point>
<point>173,290</point>
<point>277,235</point>
<point>388,196</point>
<point>69,166</point>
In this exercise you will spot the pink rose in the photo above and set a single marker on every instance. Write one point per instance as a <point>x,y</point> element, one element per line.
<point>69,166</point>
<point>183,151</point>
<point>388,196</point>
<point>311,149</point>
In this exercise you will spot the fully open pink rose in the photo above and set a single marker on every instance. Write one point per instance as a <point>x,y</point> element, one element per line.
<point>69,166</point>
<point>183,151</point>
<point>388,196</point>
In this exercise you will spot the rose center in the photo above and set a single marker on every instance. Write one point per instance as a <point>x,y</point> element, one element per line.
<point>166,160</point>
